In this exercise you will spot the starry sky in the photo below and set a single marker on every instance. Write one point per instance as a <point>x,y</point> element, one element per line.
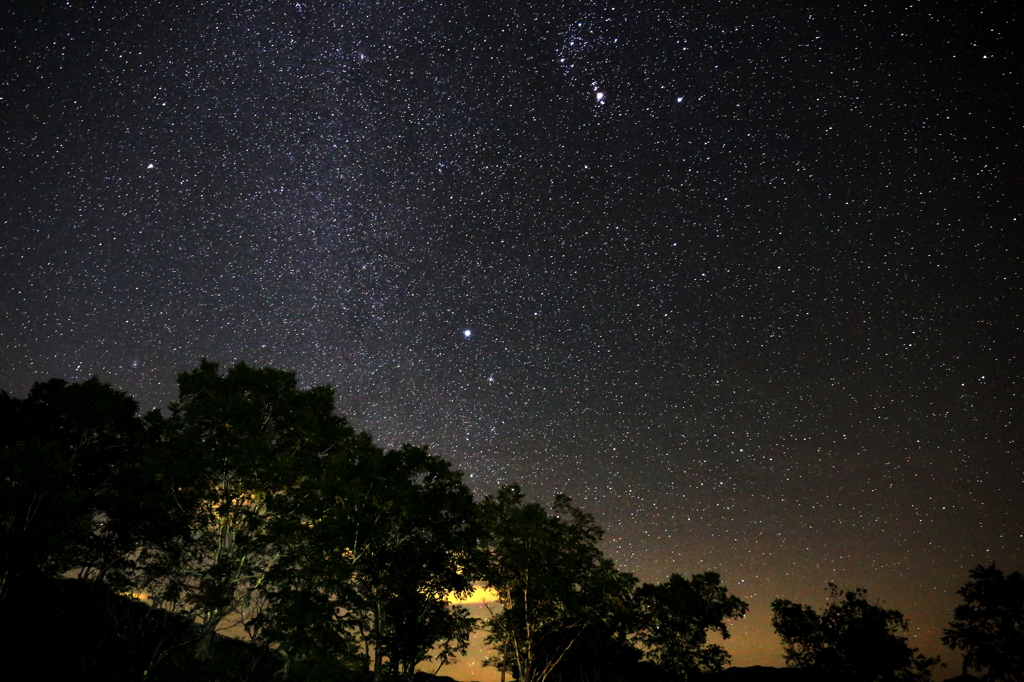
<point>744,279</point>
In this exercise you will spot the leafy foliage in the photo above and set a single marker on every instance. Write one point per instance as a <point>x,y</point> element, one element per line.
<point>255,506</point>
<point>674,619</point>
<point>551,579</point>
<point>239,448</point>
<point>63,453</point>
<point>403,531</point>
<point>852,639</point>
<point>989,625</point>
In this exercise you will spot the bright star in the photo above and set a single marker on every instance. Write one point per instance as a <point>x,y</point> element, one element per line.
<point>467,333</point>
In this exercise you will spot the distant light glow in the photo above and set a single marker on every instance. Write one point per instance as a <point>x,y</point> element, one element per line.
<point>481,594</point>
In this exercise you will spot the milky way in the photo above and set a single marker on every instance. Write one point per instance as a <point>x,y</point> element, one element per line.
<point>744,280</point>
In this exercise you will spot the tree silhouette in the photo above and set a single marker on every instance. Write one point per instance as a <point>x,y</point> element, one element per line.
<point>551,579</point>
<point>238,449</point>
<point>852,639</point>
<point>64,451</point>
<point>254,505</point>
<point>989,626</point>
<point>407,528</point>
<point>673,620</point>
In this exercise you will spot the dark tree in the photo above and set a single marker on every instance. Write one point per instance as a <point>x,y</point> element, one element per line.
<point>852,639</point>
<point>674,618</point>
<point>989,626</point>
<point>551,579</point>
<point>64,452</point>
<point>602,650</point>
<point>417,624</point>
<point>237,451</point>
<point>41,519</point>
<point>252,506</point>
<point>405,527</point>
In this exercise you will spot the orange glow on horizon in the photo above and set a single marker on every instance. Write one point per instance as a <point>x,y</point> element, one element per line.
<point>480,595</point>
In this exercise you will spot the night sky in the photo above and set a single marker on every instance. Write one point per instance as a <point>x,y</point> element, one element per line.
<point>744,279</point>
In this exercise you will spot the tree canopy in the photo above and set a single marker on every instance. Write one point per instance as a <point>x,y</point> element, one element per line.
<point>674,619</point>
<point>65,451</point>
<point>852,639</point>
<point>551,579</point>
<point>989,626</point>
<point>240,450</point>
<point>252,505</point>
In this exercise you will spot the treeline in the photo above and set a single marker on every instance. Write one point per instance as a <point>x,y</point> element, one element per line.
<point>252,506</point>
